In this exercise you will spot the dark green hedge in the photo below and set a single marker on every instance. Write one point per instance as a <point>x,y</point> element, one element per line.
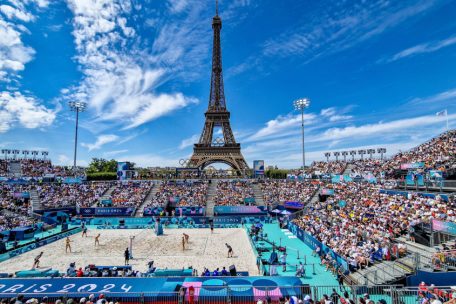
<point>101,176</point>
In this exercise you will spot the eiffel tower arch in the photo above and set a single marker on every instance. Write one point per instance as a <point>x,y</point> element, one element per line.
<point>224,148</point>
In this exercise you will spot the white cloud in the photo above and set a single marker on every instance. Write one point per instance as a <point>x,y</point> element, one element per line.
<point>427,47</point>
<point>381,128</point>
<point>188,142</point>
<point>328,29</point>
<point>280,124</point>
<point>13,53</point>
<point>335,118</point>
<point>177,6</point>
<point>121,79</point>
<point>101,141</point>
<point>449,95</point>
<point>15,13</point>
<point>25,110</point>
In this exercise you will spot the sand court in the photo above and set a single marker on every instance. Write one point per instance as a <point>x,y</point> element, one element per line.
<point>203,250</point>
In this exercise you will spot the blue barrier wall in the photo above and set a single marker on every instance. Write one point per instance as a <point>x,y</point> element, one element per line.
<point>124,285</point>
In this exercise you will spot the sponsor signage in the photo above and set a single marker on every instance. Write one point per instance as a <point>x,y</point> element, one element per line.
<point>108,211</point>
<point>293,205</point>
<point>313,243</point>
<point>442,226</point>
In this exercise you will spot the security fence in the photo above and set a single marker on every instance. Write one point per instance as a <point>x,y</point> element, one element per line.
<point>246,293</point>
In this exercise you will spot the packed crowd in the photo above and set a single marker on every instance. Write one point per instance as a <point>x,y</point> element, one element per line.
<point>322,167</point>
<point>37,168</point>
<point>232,193</point>
<point>8,222</point>
<point>130,194</point>
<point>59,195</point>
<point>438,153</point>
<point>359,223</point>
<point>15,198</point>
<point>280,191</point>
<point>180,194</point>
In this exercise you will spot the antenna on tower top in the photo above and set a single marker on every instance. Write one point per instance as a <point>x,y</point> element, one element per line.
<point>216,7</point>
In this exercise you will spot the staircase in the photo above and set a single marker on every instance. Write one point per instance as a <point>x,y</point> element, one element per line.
<point>153,190</point>
<point>348,169</point>
<point>388,272</point>
<point>258,194</point>
<point>314,200</point>
<point>35,200</point>
<point>15,168</point>
<point>423,254</point>
<point>210,197</point>
<point>385,272</point>
<point>106,195</point>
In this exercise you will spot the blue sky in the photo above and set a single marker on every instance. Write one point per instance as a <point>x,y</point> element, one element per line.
<point>376,73</point>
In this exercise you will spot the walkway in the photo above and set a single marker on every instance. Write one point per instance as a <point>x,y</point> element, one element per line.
<point>210,197</point>
<point>315,274</point>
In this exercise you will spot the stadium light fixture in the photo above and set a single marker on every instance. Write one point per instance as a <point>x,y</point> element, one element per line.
<point>381,151</point>
<point>78,107</point>
<point>300,105</point>
<point>362,152</point>
<point>15,153</point>
<point>353,153</point>
<point>344,154</point>
<point>370,152</point>
<point>327,154</point>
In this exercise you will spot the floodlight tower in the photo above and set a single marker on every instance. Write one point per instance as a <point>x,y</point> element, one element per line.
<point>327,154</point>
<point>370,152</point>
<point>381,151</point>
<point>34,154</point>
<point>353,153</point>
<point>25,153</point>
<point>44,154</point>
<point>15,153</point>
<point>300,105</point>
<point>336,154</point>
<point>362,152</point>
<point>78,107</point>
<point>344,154</point>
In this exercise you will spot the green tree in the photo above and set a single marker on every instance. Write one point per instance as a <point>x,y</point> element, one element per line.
<point>98,165</point>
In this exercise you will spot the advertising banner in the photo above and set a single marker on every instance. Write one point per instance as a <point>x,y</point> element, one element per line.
<point>109,211</point>
<point>258,167</point>
<point>157,289</point>
<point>310,241</point>
<point>293,205</point>
<point>227,210</point>
<point>436,174</point>
<point>414,179</point>
<point>72,180</point>
<point>409,166</point>
<point>325,191</point>
<point>21,194</point>
<point>441,226</point>
<point>122,168</point>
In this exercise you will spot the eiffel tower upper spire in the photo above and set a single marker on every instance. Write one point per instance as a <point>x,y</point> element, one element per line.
<point>217,94</point>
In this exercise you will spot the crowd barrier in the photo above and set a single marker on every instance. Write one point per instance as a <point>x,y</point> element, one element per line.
<point>243,294</point>
<point>313,243</point>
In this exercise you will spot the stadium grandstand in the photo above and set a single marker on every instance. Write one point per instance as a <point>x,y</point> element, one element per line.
<point>373,229</point>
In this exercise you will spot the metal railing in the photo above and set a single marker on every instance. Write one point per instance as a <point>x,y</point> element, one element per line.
<point>239,294</point>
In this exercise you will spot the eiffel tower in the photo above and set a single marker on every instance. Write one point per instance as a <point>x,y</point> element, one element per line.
<point>222,149</point>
